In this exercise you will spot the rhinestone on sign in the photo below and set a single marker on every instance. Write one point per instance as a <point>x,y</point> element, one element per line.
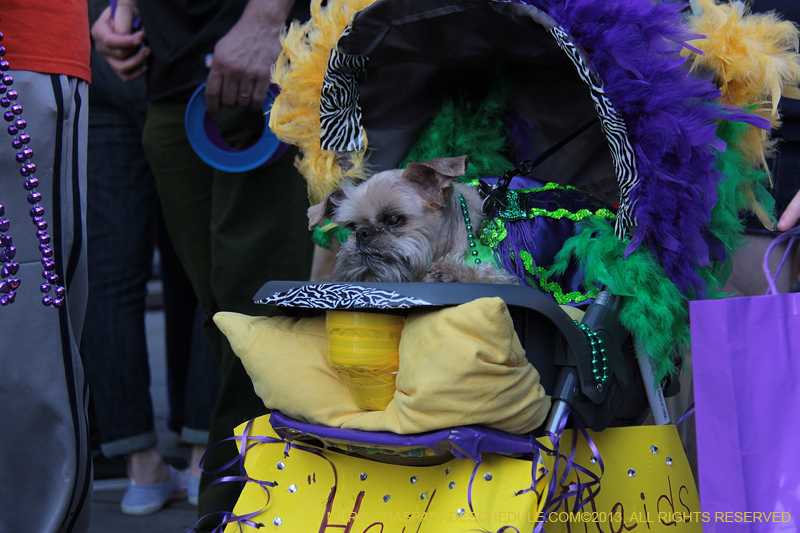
<point>447,470</point>
<point>461,512</point>
<point>413,479</point>
<point>631,472</point>
<point>487,477</point>
<point>669,461</point>
<point>386,498</point>
<point>452,485</point>
<point>423,495</point>
<point>281,465</point>
<point>654,449</point>
<point>292,488</point>
<point>277,521</point>
<point>593,460</point>
<point>362,476</point>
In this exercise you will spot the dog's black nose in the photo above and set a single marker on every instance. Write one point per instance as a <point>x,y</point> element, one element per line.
<point>364,235</point>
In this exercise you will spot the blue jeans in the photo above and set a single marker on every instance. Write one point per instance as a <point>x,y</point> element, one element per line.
<point>122,216</point>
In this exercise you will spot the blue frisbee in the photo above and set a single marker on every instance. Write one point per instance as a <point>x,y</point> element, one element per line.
<point>207,142</point>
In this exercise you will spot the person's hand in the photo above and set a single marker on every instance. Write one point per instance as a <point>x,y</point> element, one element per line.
<point>791,215</point>
<point>243,58</point>
<point>122,47</point>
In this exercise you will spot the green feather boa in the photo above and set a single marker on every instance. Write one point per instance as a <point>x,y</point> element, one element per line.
<point>464,128</point>
<point>653,307</point>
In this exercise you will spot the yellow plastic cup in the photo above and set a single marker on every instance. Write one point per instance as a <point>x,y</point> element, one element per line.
<point>364,349</point>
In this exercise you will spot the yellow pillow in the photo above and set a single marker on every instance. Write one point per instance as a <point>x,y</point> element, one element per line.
<point>287,360</point>
<point>458,366</point>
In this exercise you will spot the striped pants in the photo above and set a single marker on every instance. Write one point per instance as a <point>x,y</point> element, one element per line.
<point>45,485</point>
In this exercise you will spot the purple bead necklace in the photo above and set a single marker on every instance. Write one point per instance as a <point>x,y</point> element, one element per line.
<point>8,282</point>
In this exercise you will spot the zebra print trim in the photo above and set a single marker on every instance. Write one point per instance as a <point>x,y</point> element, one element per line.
<point>616,133</point>
<point>342,296</point>
<point>339,107</point>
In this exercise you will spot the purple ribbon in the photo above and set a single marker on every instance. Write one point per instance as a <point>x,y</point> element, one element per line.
<point>689,412</point>
<point>577,490</point>
<point>791,235</point>
<point>553,503</point>
<point>229,517</point>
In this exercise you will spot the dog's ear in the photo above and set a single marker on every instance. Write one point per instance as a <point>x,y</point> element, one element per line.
<point>325,209</point>
<point>436,176</point>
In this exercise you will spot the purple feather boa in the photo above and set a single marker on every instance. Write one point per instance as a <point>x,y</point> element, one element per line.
<point>671,118</point>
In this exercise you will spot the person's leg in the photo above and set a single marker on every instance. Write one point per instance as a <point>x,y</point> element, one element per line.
<point>202,389</point>
<point>120,218</point>
<point>43,393</point>
<point>259,233</point>
<point>192,371</point>
<point>202,385</point>
<point>184,187</point>
<point>233,232</point>
<point>179,305</point>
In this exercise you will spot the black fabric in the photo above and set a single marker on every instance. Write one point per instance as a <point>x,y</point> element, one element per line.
<point>424,53</point>
<point>181,33</point>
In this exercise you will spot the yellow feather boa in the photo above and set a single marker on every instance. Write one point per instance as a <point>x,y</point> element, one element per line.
<point>299,72</point>
<point>755,60</point>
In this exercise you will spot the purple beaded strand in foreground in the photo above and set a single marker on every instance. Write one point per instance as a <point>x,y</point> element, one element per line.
<point>9,283</point>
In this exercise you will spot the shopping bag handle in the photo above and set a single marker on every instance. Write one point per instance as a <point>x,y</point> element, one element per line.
<point>790,235</point>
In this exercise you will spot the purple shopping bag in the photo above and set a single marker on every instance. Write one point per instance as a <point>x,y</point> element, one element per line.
<point>746,359</point>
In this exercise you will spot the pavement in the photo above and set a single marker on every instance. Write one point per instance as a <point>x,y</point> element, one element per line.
<point>177,517</point>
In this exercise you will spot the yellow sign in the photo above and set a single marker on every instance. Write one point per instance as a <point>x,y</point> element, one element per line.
<point>647,484</point>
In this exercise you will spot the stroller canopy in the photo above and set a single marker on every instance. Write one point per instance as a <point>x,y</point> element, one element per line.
<point>679,156</point>
<point>399,61</point>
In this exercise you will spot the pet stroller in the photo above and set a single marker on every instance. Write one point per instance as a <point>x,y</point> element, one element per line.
<point>659,111</point>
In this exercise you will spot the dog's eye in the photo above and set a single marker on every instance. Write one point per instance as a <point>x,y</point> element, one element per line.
<point>392,220</point>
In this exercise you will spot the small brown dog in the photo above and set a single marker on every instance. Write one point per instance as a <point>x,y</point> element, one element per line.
<point>408,225</point>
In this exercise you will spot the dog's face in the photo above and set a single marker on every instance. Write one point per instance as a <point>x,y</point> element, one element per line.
<point>401,221</point>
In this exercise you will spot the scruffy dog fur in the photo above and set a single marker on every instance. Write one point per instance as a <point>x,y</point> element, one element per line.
<point>407,225</point>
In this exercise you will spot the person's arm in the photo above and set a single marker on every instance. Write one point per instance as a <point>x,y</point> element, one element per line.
<point>791,215</point>
<point>243,58</point>
<point>115,39</point>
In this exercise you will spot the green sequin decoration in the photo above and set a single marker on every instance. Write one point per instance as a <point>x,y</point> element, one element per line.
<point>527,260</point>
<point>563,213</point>
<point>514,209</point>
<point>551,286</point>
<point>551,186</point>
<point>493,233</point>
<point>546,187</point>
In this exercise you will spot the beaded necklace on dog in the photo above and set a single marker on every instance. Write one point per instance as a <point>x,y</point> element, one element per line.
<point>470,235</point>
<point>8,282</point>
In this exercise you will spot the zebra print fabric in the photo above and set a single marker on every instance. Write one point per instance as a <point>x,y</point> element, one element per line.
<point>339,108</point>
<point>342,296</point>
<point>615,130</point>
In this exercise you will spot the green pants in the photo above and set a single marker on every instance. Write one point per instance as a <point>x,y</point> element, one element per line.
<point>232,233</point>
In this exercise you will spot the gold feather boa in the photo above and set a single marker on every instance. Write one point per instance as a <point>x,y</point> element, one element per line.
<point>755,61</point>
<point>299,72</point>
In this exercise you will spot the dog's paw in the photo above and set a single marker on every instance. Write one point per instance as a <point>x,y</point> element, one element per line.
<point>439,274</point>
<point>450,269</point>
<point>446,270</point>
